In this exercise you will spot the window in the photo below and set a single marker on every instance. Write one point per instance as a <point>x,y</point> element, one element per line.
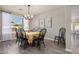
<point>26,24</point>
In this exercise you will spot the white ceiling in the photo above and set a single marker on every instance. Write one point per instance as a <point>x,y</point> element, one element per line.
<point>35,9</point>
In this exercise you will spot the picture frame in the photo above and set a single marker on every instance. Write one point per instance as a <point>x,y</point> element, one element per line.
<point>42,23</point>
<point>48,22</point>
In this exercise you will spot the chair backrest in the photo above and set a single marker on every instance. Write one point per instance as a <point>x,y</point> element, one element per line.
<point>21,30</point>
<point>20,33</point>
<point>23,33</point>
<point>43,31</point>
<point>17,33</point>
<point>62,32</point>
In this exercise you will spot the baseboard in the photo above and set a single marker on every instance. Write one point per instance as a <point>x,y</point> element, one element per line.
<point>69,50</point>
<point>5,40</point>
<point>49,39</point>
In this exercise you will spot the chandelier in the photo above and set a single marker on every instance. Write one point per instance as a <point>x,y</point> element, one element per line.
<point>28,16</point>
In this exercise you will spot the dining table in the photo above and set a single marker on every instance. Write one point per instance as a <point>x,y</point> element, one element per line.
<point>30,36</point>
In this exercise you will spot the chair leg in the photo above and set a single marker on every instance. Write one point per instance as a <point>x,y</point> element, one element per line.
<point>44,44</point>
<point>39,44</point>
<point>39,47</point>
<point>17,41</point>
<point>55,39</point>
<point>58,42</point>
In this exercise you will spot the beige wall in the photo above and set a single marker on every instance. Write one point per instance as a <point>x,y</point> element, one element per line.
<point>0,25</point>
<point>58,20</point>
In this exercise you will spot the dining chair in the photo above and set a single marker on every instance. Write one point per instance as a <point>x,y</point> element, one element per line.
<point>61,37</point>
<point>17,36</point>
<point>23,40</point>
<point>43,31</point>
<point>40,39</point>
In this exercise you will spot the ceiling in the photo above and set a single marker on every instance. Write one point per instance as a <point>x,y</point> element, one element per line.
<point>75,12</point>
<point>34,10</point>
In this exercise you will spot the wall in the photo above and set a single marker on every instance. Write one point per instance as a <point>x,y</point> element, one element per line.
<point>0,25</point>
<point>58,20</point>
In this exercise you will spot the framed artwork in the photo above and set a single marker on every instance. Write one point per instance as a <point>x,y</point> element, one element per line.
<point>48,22</point>
<point>42,23</point>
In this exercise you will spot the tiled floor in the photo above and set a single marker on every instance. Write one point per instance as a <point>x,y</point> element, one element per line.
<point>10,47</point>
